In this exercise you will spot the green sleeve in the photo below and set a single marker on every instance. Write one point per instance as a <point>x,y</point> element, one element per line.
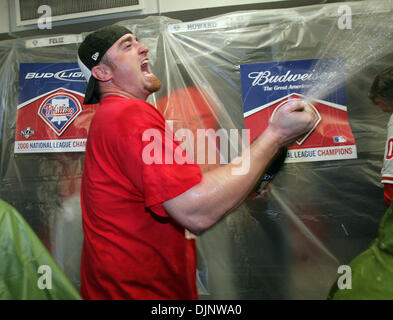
<point>27,269</point>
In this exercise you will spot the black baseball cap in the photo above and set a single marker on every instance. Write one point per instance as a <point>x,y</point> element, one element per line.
<point>90,53</point>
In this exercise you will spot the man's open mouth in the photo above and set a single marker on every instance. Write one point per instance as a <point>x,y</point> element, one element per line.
<point>145,67</point>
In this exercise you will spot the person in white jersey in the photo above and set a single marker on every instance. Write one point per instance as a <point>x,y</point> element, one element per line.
<point>381,93</point>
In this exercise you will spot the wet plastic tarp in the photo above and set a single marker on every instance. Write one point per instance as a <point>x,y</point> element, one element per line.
<point>317,215</point>
<point>27,269</point>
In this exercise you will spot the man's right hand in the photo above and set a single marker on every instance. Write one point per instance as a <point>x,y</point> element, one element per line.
<point>291,121</point>
<point>220,190</point>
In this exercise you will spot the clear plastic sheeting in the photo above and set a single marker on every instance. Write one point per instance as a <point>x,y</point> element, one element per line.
<point>43,187</point>
<point>317,215</point>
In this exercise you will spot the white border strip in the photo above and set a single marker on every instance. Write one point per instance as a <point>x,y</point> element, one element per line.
<point>42,146</point>
<point>53,41</point>
<point>202,25</point>
<point>322,154</point>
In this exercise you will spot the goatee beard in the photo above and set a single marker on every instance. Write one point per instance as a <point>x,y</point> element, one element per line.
<point>155,84</point>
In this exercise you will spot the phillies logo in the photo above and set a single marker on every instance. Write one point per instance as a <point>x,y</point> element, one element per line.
<point>59,110</point>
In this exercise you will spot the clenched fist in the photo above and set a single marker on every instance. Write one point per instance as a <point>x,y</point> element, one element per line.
<point>291,121</point>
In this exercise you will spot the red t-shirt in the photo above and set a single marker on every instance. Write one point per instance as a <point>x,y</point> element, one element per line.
<point>132,249</point>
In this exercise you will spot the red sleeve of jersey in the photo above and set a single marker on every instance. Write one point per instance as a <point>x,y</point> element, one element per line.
<point>387,193</point>
<point>165,170</point>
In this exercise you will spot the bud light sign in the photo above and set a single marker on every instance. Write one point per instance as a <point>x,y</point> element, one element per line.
<point>266,87</point>
<point>51,116</point>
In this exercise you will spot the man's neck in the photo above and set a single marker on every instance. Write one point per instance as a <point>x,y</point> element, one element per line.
<point>115,91</point>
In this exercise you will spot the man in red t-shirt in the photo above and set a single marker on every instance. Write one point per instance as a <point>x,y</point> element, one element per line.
<point>140,193</point>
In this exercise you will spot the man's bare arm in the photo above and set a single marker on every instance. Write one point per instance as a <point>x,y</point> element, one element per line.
<point>220,191</point>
